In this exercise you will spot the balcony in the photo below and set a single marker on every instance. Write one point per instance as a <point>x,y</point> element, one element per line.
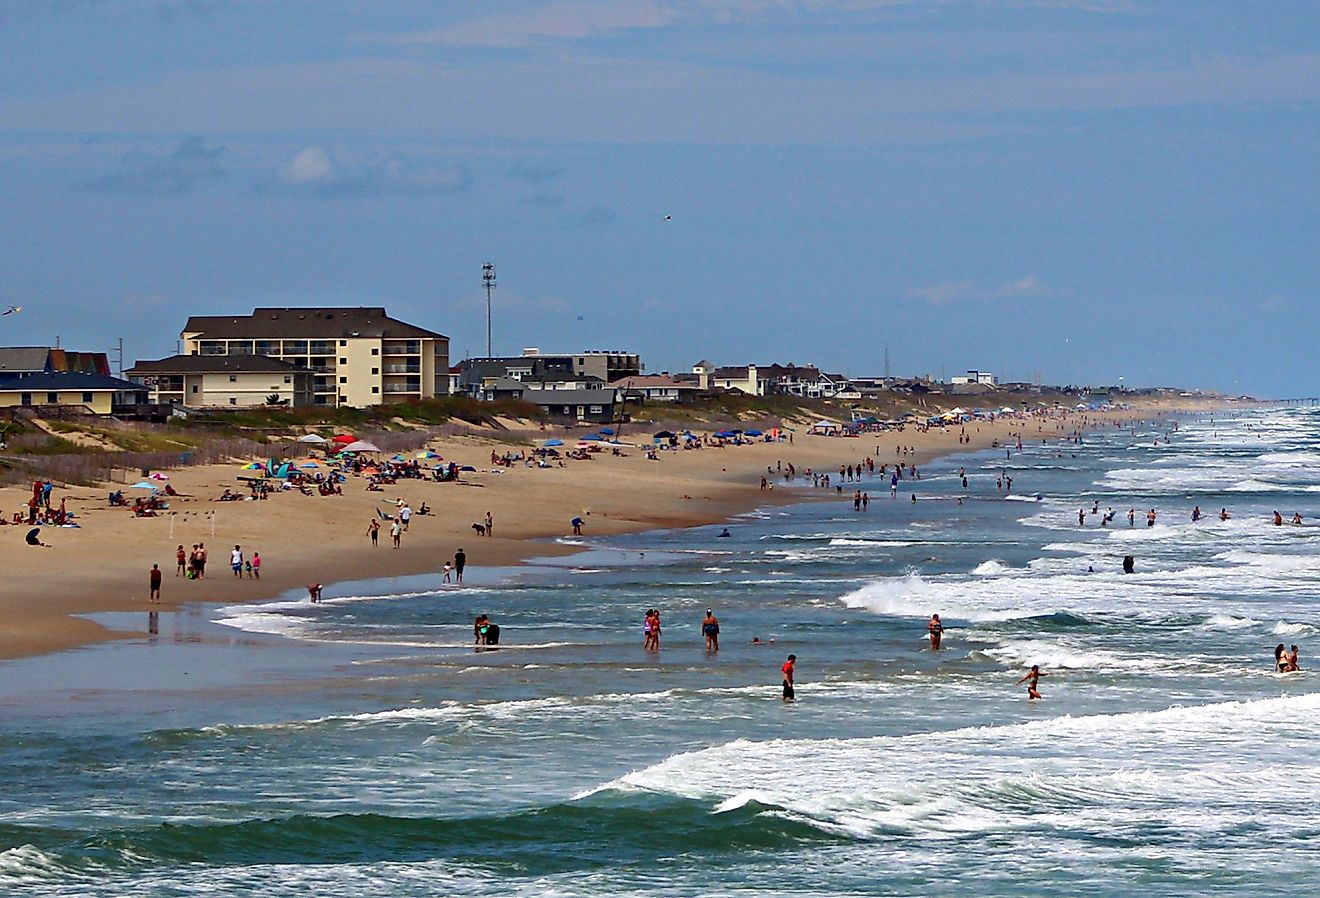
<point>405,347</point>
<point>402,369</point>
<point>402,388</point>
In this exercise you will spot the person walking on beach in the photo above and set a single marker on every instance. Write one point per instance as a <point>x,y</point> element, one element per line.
<point>787,669</point>
<point>936,631</point>
<point>236,561</point>
<point>181,557</point>
<point>1032,679</point>
<point>405,515</point>
<point>256,565</point>
<point>373,531</point>
<point>490,524</point>
<point>445,571</point>
<point>154,580</point>
<point>460,562</point>
<point>396,531</point>
<point>710,628</point>
<point>201,561</point>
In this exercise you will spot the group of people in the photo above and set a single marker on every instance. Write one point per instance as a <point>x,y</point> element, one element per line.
<point>1285,660</point>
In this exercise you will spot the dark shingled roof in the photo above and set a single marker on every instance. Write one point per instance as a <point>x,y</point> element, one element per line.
<point>210,364</point>
<point>66,380</point>
<point>305,324</point>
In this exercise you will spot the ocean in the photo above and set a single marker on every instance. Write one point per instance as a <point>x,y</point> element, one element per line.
<point>362,747</point>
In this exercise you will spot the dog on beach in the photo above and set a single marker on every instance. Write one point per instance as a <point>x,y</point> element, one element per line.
<point>480,528</point>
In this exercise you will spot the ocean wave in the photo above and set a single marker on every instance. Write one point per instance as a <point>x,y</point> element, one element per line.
<point>1221,766</point>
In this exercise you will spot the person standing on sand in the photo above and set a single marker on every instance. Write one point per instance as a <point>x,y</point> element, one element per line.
<point>490,524</point>
<point>710,628</point>
<point>405,515</point>
<point>936,631</point>
<point>396,531</point>
<point>373,531</point>
<point>256,565</point>
<point>201,561</point>
<point>790,694</point>
<point>460,562</point>
<point>181,557</point>
<point>236,561</point>
<point>154,580</point>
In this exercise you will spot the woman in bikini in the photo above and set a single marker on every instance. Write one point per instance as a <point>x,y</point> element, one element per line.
<point>1032,678</point>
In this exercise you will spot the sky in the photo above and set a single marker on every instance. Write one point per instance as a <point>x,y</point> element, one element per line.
<point>1069,191</point>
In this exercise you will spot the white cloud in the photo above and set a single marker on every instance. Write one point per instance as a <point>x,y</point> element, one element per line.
<point>951,292</point>
<point>311,166</point>
<point>313,170</point>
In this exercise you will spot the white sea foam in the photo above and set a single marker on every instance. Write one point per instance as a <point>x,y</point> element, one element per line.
<point>1215,767</point>
<point>991,567</point>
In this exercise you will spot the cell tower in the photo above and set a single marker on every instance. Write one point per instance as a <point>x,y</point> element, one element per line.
<point>488,281</point>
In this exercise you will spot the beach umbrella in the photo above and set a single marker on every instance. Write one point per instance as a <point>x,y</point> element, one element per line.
<point>467,468</point>
<point>398,456</point>
<point>312,438</point>
<point>664,434</point>
<point>309,464</point>
<point>254,466</point>
<point>427,454</point>
<point>143,485</point>
<point>554,442</point>
<point>371,470</point>
<point>751,433</point>
<point>592,438</point>
<point>344,438</point>
<point>607,430</point>
<point>157,475</point>
<point>360,446</point>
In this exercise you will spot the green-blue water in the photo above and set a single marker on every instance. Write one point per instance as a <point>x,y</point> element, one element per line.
<point>361,747</point>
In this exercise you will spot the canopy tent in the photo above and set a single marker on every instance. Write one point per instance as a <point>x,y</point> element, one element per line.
<point>360,446</point>
<point>312,438</point>
<point>663,435</point>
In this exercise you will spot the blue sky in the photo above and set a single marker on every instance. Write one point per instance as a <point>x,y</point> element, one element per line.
<point>1079,191</point>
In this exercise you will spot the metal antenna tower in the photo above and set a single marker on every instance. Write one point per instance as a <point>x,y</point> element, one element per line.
<point>488,281</point>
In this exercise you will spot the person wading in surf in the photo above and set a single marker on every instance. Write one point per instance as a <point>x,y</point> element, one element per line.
<point>1032,679</point>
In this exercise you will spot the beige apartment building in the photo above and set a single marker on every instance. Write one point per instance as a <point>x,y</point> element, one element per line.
<point>228,381</point>
<point>357,356</point>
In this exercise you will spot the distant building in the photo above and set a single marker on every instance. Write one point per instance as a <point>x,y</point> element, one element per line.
<point>594,403</point>
<point>806,381</point>
<point>224,381</point>
<point>567,370</point>
<point>51,360</point>
<point>655,388</point>
<point>357,356</point>
<point>974,376</point>
<point>69,391</point>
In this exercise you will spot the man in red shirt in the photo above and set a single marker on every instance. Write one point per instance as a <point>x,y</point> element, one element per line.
<point>787,669</point>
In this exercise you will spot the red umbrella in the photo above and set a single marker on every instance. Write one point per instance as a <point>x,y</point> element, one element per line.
<point>344,438</point>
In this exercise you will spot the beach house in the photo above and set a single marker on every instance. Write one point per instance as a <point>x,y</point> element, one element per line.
<point>224,381</point>
<point>358,356</point>
<point>58,393</point>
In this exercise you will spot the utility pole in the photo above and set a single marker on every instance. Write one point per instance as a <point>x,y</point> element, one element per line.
<point>119,356</point>
<point>488,281</point>
<point>886,363</point>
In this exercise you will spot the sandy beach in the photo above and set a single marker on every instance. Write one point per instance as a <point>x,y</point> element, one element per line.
<point>103,564</point>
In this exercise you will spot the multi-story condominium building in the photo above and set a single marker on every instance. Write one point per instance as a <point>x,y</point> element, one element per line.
<point>357,356</point>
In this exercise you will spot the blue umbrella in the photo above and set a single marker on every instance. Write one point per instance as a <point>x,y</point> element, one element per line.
<point>751,433</point>
<point>143,485</point>
<point>592,438</point>
<point>609,430</point>
<point>554,442</point>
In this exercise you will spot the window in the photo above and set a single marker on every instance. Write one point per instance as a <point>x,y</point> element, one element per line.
<point>233,400</point>
<point>52,398</point>
<point>596,409</point>
<point>375,389</point>
<point>233,378</point>
<point>375,370</point>
<point>343,380</point>
<point>288,378</point>
<point>375,350</point>
<point>196,389</point>
<point>25,398</point>
<point>87,397</point>
<point>343,361</point>
<point>343,342</point>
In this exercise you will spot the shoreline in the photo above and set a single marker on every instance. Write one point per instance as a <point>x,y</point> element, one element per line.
<point>615,495</point>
